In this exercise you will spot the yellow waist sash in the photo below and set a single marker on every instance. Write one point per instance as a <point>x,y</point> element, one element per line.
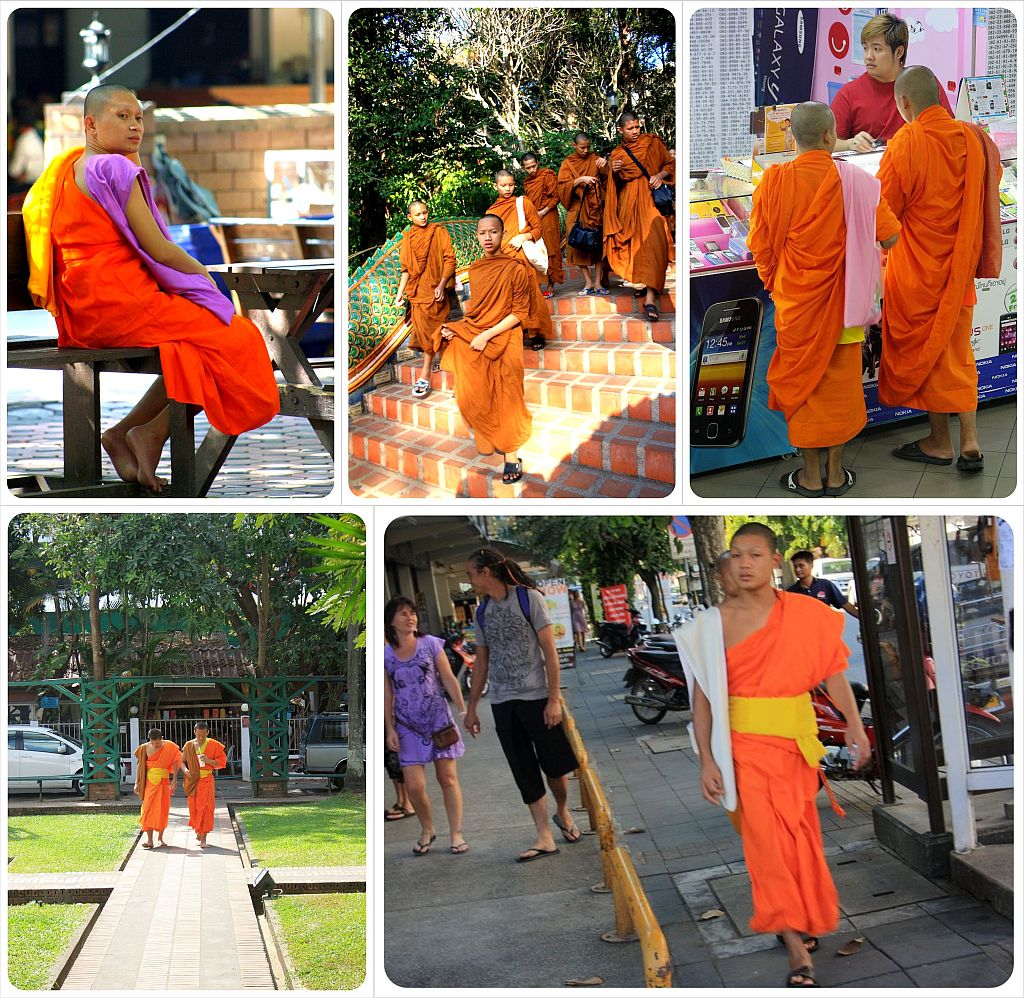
<point>783,717</point>
<point>204,773</point>
<point>154,774</point>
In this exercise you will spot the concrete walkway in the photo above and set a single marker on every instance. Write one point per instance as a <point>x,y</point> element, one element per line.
<point>179,918</point>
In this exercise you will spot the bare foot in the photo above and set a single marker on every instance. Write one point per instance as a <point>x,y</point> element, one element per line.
<point>147,449</point>
<point>120,455</point>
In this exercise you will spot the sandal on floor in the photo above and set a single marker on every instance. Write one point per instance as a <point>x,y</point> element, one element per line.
<point>810,942</point>
<point>600,291</point>
<point>512,472</point>
<point>912,452</point>
<point>547,294</point>
<point>397,813</point>
<point>791,483</point>
<point>537,342</point>
<point>651,313</point>
<point>531,854</point>
<point>569,832</point>
<point>810,980</point>
<point>460,850</point>
<point>421,849</point>
<point>421,389</point>
<point>849,480</point>
<point>583,292</point>
<point>970,464</point>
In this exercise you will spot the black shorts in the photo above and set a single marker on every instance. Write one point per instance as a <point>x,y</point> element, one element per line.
<point>530,746</point>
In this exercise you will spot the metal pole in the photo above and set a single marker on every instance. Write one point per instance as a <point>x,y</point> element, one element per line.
<point>318,69</point>
<point>945,653</point>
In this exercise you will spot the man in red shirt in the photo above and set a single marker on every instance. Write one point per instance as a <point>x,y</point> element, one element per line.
<point>865,108</point>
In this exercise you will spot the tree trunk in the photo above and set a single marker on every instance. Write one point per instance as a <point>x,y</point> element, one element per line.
<point>264,613</point>
<point>355,773</point>
<point>709,540</point>
<point>95,635</point>
<point>652,581</point>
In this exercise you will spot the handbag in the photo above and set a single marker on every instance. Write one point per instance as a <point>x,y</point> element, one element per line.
<point>535,250</point>
<point>664,197</point>
<point>446,736</point>
<point>581,238</point>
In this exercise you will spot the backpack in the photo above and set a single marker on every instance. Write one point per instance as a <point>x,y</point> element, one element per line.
<point>524,604</point>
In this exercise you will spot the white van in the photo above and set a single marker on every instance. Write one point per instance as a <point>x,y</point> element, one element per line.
<point>40,752</point>
<point>836,570</point>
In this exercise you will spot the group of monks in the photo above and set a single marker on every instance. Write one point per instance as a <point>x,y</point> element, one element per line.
<point>158,762</point>
<point>611,195</point>
<point>815,232</point>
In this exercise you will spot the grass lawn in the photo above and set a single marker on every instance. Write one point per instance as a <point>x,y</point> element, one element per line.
<point>37,935</point>
<point>330,831</point>
<point>325,936</point>
<point>69,843</point>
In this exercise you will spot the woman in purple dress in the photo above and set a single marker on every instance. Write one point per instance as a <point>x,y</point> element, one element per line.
<point>416,675</point>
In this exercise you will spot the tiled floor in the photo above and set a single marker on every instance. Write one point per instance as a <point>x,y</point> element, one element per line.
<point>880,475</point>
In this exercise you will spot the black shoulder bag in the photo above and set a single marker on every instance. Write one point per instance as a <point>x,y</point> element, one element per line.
<point>665,196</point>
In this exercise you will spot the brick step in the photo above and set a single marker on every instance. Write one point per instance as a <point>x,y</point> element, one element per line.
<point>478,477</point>
<point>619,302</point>
<point>632,360</point>
<point>613,329</point>
<point>609,444</point>
<point>646,399</point>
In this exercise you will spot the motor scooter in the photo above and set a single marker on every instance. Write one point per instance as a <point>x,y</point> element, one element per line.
<point>462,657</point>
<point>657,682</point>
<point>832,725</point>
<point>613,636</point>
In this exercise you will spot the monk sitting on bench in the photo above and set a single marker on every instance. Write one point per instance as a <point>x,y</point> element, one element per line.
<point>101,261</point>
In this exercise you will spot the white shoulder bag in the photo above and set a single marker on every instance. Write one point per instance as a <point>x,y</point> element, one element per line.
<point>536,252</point>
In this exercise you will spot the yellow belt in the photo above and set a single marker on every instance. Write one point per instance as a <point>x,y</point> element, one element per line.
<point>783,717</point>
<point>155,775</point>
<point>203,773</point>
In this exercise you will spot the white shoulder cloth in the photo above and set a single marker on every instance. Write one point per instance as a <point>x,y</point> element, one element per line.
<point>702,653</point>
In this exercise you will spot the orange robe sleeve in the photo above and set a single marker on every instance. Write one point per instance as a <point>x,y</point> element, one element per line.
<point>489,383</point>
<point>886,223</point>
<point>790,879</point>
<point>798,241</point>
<point>932,177</point>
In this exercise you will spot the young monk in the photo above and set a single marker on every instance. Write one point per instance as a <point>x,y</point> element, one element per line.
<point>541,187</point>
<point>428,264</point>
<point>202,755</point>
<point>799,237</point>
<point>485,351</point>
<point>941,177</point>
<point>156,775</point>
<point>637,243</point>
<point>537,321</point>
<point>777,647</point>
<point>102,262</point>
<point>581,182</point>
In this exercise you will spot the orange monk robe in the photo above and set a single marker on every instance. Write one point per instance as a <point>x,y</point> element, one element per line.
<point>932,175</point>
<point>489,383</point>
<point>542,190</point>
<point>428,257</point>
<point>106,297</point>
<point>587,208</point>
<point>636,237</point>
<point>798,240</point>
<point>800,646</point>
<point>199,784</point>
<point>152,784</point>
<point>538,314</point>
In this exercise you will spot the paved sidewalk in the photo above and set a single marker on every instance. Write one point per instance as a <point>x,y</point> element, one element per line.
<point>180,918</point>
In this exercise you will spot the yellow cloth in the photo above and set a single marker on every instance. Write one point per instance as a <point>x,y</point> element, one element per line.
<point>204,773</point>
<point>154,774</point>
<point>852,334</point>
<point>782,717</point>
<point>37,212</point>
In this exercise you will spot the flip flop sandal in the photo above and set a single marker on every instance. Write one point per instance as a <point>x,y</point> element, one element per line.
<point>567,830</point>
<point>537,342</point>
<point>547,294</point>
<point>849,480</point>
<point>147,845</point>
<point>531,854</point>
<point>512,472</point>
<point>421,389</point>
<point>420,849</point>
<point>912,452</point>
<point>651,313</point>
<point>583,292</point>
<point>394,814</point>
<point>600,291</point>
<point>970,464</point>
<point>791,483</point>
<point>805,972</point>
<point>460,850</point>
<point>810,942</point>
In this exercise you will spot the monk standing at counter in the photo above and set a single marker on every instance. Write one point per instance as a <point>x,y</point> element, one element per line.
<point>941,177</point>
<point>778,646</point>
<point>202,756</point>
<point>541,187</point>
<point>428,264</point>
<point>637,244</point>
<point>155,780</point>
<point>799,240</point>
<point>582,178</point>
<point>537,321</point>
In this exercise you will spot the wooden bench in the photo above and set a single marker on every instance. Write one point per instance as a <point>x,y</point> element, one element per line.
<point>192,470</point>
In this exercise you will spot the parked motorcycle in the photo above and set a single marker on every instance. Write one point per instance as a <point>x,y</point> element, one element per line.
<point>462,657</point>
<point>613,636</point>
<point>832,725</point>
<point>658,684</point>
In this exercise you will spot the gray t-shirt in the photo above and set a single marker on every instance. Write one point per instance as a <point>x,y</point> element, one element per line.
<point>515,659</point>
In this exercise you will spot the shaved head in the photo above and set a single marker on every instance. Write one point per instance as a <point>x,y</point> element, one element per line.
<point>493,218</point>
<point>920,88</point>
<point>97,99</point>
<point>626,117</point>
<point>761,530</point>
<point>810,121</point>
<point>503,174</point>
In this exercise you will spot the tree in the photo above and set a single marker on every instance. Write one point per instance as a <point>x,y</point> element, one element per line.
<point>802,532</point>
<point>710,541</point>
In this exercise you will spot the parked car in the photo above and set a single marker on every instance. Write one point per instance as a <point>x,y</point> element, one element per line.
<point>41,753</point>
<point>837,570</point>
<point>324,747</point>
